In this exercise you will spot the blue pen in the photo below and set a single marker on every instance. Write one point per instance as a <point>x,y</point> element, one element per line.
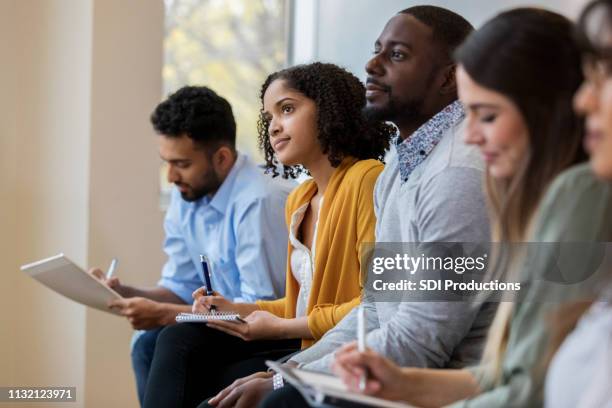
<point>206,270</point>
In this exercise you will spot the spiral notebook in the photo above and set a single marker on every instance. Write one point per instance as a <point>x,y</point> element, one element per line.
<point>206,317</point>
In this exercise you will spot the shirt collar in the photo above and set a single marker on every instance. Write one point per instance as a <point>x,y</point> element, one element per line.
<point>220,199</point>
<point>415,149</point>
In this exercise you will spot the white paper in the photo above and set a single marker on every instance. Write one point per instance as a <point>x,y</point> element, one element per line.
<point>314,386</point>
<point>61,275</point>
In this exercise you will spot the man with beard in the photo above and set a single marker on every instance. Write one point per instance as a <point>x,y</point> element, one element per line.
<point>223,206</point>
<point>429,191</point>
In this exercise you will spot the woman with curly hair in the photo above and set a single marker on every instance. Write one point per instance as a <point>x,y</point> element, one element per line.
<point>311,121</point>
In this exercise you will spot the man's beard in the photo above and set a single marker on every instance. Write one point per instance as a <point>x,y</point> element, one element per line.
<point>208,186</point>
<point>400,112</point>
<point>393,111</point>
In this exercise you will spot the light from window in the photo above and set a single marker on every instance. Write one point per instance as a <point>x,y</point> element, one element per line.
<point>230,46</point>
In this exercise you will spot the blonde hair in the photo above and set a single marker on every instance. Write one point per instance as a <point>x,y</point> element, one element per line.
<point>512,207</point>
<point>511,54</point>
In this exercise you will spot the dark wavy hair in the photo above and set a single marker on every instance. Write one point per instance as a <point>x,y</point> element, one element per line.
<point>529,55</point>
<point>199,113</point>
<point>343,129</point>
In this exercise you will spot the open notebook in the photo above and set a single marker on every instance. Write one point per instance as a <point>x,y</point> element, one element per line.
<point>206,317</point>
<point>323,390</point>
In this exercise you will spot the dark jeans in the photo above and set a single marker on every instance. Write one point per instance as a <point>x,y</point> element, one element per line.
<point>289,397</point>
<point>193,362</point>
<point>286,397</point>
<point>142,356</point>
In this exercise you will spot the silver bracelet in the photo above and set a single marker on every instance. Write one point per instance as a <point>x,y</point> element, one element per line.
<point>277,381</point>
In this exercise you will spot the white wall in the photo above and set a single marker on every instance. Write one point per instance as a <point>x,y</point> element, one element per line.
<point>344,31</point>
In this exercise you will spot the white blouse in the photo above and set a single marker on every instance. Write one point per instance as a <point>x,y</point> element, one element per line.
<point>302,259</point>
<point>580,375</point>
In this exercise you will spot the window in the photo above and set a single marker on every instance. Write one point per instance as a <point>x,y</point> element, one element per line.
<point>230,46</point>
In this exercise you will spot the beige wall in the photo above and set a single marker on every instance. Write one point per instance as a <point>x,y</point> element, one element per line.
<point>45,97</point>
<point>8,191</point>
<point>78,174</point>
<point>125,220</point>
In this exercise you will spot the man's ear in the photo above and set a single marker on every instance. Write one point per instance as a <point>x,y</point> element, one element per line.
<point>449,80</point>
<point>223,160</point>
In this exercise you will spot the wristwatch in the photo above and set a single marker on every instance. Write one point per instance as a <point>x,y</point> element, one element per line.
<point>277,381</point>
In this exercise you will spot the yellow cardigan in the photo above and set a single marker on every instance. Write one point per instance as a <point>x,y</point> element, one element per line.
<point>346,220</point>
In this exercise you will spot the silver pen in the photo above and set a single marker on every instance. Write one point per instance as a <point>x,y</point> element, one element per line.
<point>111,268</point>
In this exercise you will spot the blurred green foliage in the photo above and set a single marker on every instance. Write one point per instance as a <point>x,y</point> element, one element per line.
<point>230,46</point>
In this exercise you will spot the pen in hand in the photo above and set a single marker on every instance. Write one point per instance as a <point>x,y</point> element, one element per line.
<point>209,289</point>
<point>111,268</point>
<point>361,343</point>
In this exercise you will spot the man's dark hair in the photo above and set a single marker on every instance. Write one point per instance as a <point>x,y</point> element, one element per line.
<point>449,28</point>
<point>343,129</point>
<point>199,113</point>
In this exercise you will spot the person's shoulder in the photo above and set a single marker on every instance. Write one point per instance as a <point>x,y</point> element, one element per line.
<point>574,199</point>
<point>452,151</point>
<point>302,190</point>
<point>579,192</point>
<point>578,179</point>
<point>364,170</point>
<point>460,184</point>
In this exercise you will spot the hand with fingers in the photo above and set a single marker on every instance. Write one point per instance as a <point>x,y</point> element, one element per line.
<point>204,304</point>
<point>258,325</point>
<point>384,378</point>
<point>244,392</point>
<point>142,313</point>
<point>112,283</point>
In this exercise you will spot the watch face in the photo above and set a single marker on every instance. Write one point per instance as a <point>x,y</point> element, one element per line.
<point>277,381</point>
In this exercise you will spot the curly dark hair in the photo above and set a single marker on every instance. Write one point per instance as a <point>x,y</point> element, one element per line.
<point>199,113</point>
<point>343,128</point>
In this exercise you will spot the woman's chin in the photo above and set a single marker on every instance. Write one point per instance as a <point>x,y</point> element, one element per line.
<point>287,160</point>
<point>499,172</point>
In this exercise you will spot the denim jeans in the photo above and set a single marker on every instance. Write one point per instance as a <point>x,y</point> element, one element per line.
<point>143,348</point>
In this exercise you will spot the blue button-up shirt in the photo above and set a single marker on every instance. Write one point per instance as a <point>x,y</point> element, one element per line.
<point>241,230</point>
